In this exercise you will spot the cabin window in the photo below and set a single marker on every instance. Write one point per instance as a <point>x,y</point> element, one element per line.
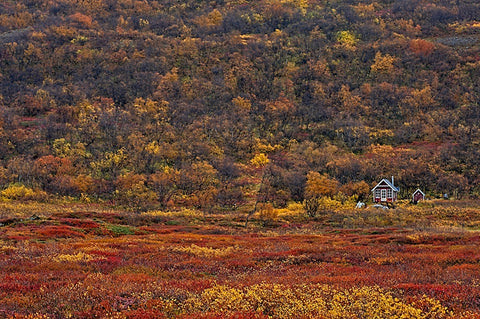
<point>377,193</point>
<point>389,193</point>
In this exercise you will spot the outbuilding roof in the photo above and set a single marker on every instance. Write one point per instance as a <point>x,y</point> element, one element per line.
<point>418,190</point>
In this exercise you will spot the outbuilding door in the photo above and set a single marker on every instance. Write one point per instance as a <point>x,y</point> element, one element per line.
<point>418,196</point>
<point>384,195</point>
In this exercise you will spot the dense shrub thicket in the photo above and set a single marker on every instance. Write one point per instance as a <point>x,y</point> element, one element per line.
<point>225,102</point>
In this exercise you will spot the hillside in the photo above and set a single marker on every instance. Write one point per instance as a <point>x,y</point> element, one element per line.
<point>217,103</point>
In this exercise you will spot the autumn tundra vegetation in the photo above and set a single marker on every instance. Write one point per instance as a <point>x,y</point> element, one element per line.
<point>67,260</point>
<point>203,159</point>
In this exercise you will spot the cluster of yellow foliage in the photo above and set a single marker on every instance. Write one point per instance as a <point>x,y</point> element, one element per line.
<point>293,209</point>
<point>80,256</point>
<point>383,63</point>
<point>347,38</point>
<point>4,247</point>
<point>301,4</point>
<point>37,316</point>
<point>267,212</point>
<point>242,105</point>
<point>259,160</point>
<point>312,301</point>
<point>21,192</point>
<point>320,185</point>
<point>207,252</point>
<point>183,213</point>
<point>211,19</point>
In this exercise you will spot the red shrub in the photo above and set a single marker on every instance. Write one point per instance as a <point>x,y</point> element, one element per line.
<point>237,315</point>
<point>421,47</point>
<point>144,314</point>
<point>106,265</point>
<point>80,223</point>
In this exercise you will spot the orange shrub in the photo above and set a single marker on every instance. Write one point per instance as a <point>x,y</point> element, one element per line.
<point>421,47</point>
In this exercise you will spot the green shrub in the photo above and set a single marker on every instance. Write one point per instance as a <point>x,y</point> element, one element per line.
<point>121,230</point>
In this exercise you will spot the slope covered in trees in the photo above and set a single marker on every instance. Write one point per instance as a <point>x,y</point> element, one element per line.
<point>215,103</point>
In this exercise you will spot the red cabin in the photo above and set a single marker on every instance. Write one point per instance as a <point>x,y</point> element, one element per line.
<point>418,195</point>
<point>385,192</point>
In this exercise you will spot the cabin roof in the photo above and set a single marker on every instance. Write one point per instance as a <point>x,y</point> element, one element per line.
<point>389,184</point>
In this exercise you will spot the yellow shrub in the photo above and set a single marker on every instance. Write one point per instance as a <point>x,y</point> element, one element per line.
<point>207,252</point>
<point>293,210</point>
<point>267,213</point>
<point>347,38</point>
<point>259,160</point>
<point>21,192</point>
<point>328,204</point>
<point>185,213</point>
<point>312,301</point>
<point>80,256</point>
